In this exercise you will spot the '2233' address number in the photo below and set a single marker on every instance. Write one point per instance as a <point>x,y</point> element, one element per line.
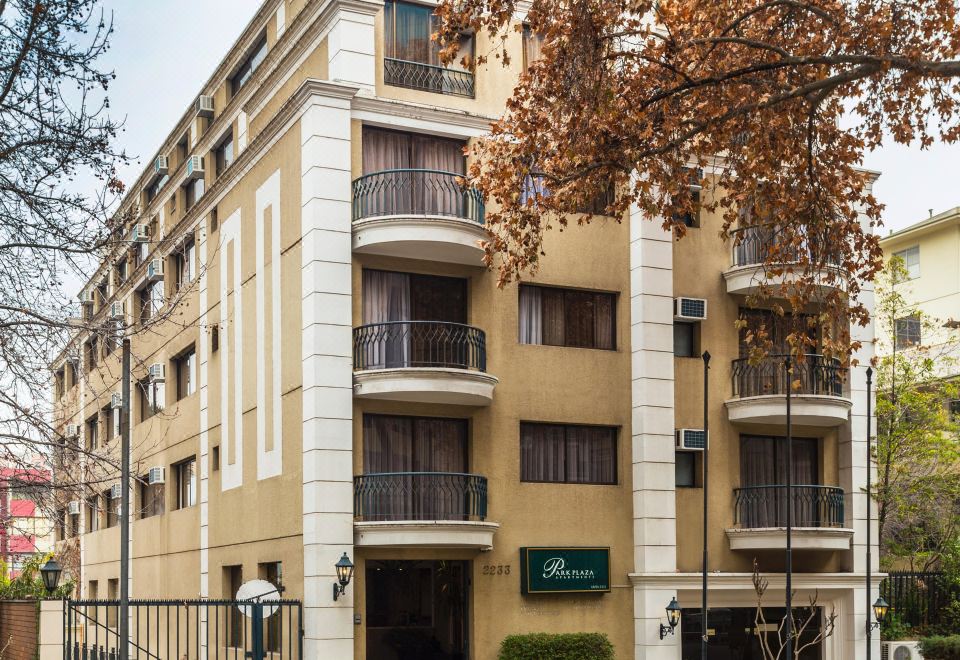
<point>495,569</point>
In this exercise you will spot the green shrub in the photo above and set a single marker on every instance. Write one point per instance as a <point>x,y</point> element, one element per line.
<point>894,628</point>
<point>569,646</point>
<point>940,648</point>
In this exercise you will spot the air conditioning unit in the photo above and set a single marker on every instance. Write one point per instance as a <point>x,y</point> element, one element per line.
<point>116,492</point>
<point>900,651</point>
<point>161,166</point>
<point>116,400</point>
<point>691,439</point>
<point>156,475</point>
<point>88,296</point>
<point>72,430</point>
<point>157,371</point>
<point>116,310</point>
<point>690,309</point>
<point>155,270</point>
<point>195,167</point>
<point>73,507</point>
<point>140,234</point>
<point>204,106</point>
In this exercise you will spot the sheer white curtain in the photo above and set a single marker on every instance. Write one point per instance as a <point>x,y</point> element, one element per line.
<point>531,315</point>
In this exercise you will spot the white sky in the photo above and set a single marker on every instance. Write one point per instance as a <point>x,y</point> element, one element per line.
<point>162,52</point>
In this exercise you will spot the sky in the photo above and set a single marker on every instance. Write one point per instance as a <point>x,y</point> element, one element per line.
<point>162,52</point>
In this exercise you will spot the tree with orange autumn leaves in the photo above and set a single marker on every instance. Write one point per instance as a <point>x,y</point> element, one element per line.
<point>769,104</point>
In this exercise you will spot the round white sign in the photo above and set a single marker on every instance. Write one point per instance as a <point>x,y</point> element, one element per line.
<point>258,591</point>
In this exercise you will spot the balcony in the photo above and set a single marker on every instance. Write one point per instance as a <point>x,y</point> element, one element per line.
<point>422,361</point>
<point>427,77</point>
<point>761,519</point>
<point>422,510</point>
<point>418,214</point>
<point>753,246</point>
<point>759,392</point>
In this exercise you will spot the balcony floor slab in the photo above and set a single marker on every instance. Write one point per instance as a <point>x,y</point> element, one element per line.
<point>829,539</point>
<point>805,409</point>
<point>425,534</point>
<point>424,237</point>
<point>426,385</point>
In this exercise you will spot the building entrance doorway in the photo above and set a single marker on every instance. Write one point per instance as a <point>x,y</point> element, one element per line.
<point>734,634</point>
<point>417,610</point>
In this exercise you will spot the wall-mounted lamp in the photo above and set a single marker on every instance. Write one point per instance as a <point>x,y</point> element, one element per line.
<point>673,618</point>
<point>50,572</point>
<point>344,573</point>
<point>880,609</point>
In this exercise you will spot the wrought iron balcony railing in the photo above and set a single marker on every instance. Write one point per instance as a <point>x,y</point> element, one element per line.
<point>817,375</point>
<point>428,77</point>
<point>419,496</point>
<point>410,344</point>
<point>754,245</point>
<point>766,506</point>
<point>415,192</point>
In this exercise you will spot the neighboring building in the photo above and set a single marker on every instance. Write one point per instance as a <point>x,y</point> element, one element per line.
<point>930,250</point>
<point>343,376</point>
<point>25,530</point>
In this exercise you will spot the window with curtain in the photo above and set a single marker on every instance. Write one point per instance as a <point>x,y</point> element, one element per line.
<point>567,317</point>
<point>777,327</point>
<point>532,46</point>
<point>565,453</point>
<point>151,498</point>
<point>186,480</point>
<point>763,462</point>
<point>407,30</point>
<point>907,332</point>
<point>243,74</point>
<point>911,260</point>
<point>385,149</point>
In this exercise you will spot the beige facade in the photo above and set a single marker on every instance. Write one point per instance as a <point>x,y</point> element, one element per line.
<point>295,364</point>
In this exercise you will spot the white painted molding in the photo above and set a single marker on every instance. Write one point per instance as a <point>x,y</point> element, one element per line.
<point>806,410</point>
<point>425,534</point>
<point>429,238</point>
<point>426,385</point>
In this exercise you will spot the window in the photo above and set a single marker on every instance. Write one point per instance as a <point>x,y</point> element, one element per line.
<point>907,332</point>
<point>567,317</point>
<point>151,498</point>
<point>153,397</point>
<point>185,367</point>
<point>215,459</point>
<point>911,260</point>
<point>183,146</point>
<point>107,423</point>
<point>59,383</point>
<point>686,339</point>
<point>186,479</point>
<point>184,260</point>
<point>272,572</point>
<point>101,291</point>
<point>257,54</point>
<point>223,154</point>
<point>232,579</point>
<point>395,443</point>
<point>532,46</point>
<point>150,301</point>
<point>173,203</point>
<point>561,453</point>
<point>93,513</point>
<point>92,589</point>
<point>954,409</point>
<point>154,188</point>
<point>113,593</point>
<point>120,272</point>
<point>111,509</point>
<point>193,192</point>
<point>111,337</point>
<point>91,428</point>
<point>685,464</point>
<point>692,217</point>
<point>93,352</point>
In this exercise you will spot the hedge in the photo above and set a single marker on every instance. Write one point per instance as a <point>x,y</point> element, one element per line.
<point>569,646</point>
<point>940,648</point>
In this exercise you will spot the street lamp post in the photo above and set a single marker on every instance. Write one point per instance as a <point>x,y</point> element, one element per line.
<point>789,584</point>
<point>869,552</point>
<point>706,466</point>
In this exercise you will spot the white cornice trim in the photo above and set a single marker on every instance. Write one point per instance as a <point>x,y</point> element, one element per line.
<point>388,111</point>
<point>694,581</point>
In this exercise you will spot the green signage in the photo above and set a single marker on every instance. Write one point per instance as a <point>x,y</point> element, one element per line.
<point>564,570</point>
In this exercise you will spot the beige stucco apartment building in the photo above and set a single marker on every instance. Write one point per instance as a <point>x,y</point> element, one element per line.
<point>337,373</point>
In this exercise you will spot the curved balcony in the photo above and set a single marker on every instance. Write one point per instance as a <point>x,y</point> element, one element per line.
<point>753,246</point>
<point>418,214</point>
<point>422,509</point>
<point>422,361</point>
<point>761,518</point>
<point>759,392</point>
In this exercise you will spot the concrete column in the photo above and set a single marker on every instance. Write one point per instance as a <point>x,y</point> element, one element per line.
<point>327,351</point>
<point>51,630</point>
<point>351,42</point>
<point>649,612</point>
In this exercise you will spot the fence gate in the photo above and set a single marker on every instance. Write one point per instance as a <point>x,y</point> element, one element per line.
<point>185,630</point>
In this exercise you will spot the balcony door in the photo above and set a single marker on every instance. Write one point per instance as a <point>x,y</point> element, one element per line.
<point>407,449</point>
<point>763,477</point>
<point>413,320</point>
<point>412,173</point>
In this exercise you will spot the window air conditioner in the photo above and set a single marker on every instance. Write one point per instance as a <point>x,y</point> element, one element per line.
<point>115,492</point>
<point>691,439</point>
<point>204,106</point>
<point>161,165</point>
<point>72,430</point>
<point>116,400</point>
<point>690,309</point>
<point>155,475</point>
<point>140,234</point>
<point>157,371</point>
<point>155,270</point>
<point>195,167</point>
<point>73,507</point>
<point>116,310</point>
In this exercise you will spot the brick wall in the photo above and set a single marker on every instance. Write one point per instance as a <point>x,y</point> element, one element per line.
<point>18,629</point>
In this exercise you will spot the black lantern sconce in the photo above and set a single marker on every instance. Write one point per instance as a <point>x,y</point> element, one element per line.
<point>50,572</point>
<point>344,573</point>
<point>880,609</point>
<point>673,618</point>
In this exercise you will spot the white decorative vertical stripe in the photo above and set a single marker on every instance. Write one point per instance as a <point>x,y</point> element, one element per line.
<point>241,132</point>
<point>281,17</point>
<point>269,404</point>
<point>327,370</point>
<point>203,384</point>
<point>231,339</point>
<point>350,44</point>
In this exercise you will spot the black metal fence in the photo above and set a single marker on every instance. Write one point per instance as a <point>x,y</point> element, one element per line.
<point>185,630</point>
<point>817,375</point>
<point>415,192</point>
<point>417,75</point>
<point>766,506</point>
<point>755,245</point>
<point>420,496</point>
<point>918,598</point>
<point>403,344</point>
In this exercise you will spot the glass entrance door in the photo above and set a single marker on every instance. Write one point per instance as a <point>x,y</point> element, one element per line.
<point>735,635</point>
<point>417,610</point>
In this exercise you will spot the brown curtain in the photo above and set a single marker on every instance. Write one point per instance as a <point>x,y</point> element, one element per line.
<point>543,453</point>
<point>567,317</point>
<point>763,463</point>
<point>568,454</point>
<point>553,317</point>
<point>532,46</point>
